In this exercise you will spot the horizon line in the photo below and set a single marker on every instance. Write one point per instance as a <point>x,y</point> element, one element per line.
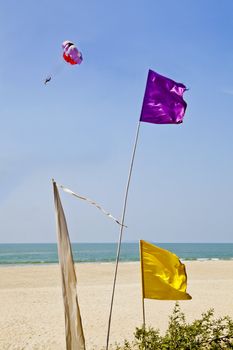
<point>115,242</point>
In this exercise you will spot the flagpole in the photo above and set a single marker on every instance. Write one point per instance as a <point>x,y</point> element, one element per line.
<point>121,231</point>
<point>154,95</point>
<point>142,277</point>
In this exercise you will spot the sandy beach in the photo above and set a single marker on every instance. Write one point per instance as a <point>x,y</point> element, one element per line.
<point>31,305</point>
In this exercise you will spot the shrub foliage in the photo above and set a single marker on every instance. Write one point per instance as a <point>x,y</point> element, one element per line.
<point>206,333</point>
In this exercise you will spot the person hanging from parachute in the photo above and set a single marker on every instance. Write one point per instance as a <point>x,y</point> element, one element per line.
<point>71,55</point>
<point>47,80</point>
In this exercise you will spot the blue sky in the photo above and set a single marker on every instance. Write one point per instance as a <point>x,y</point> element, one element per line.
<point>80,128</point>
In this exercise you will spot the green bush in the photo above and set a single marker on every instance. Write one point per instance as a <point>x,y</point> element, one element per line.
<point>206,333</point>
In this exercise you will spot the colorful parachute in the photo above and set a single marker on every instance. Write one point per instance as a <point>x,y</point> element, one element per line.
<point>70,53</point>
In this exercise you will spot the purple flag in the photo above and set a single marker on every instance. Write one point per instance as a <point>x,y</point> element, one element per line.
<point>163,101</point>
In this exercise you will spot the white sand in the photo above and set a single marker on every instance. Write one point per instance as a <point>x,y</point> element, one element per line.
<point>31,305</point>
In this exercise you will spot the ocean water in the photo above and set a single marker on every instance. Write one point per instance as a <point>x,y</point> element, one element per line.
<point>21,254</point>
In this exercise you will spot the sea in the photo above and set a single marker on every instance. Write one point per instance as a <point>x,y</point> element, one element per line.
<point>46,253</point>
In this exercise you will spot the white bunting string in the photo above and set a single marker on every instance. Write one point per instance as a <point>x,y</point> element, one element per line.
<point>67,190</point>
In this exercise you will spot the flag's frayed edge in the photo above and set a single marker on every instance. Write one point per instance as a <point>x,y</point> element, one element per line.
<point>67,190</point>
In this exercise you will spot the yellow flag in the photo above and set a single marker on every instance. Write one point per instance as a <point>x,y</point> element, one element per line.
<point>163,275</point>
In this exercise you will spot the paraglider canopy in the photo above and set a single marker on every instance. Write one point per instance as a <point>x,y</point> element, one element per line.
<point>70,53</point>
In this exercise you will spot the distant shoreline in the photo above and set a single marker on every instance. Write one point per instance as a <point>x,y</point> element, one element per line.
<point>114,242</point>
<point>46,253</point>
<point>105,263</point>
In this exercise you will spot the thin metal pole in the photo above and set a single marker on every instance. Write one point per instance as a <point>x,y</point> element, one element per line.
<point>143,312</point>
<point>121,232</point>
<point>142,278</point>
